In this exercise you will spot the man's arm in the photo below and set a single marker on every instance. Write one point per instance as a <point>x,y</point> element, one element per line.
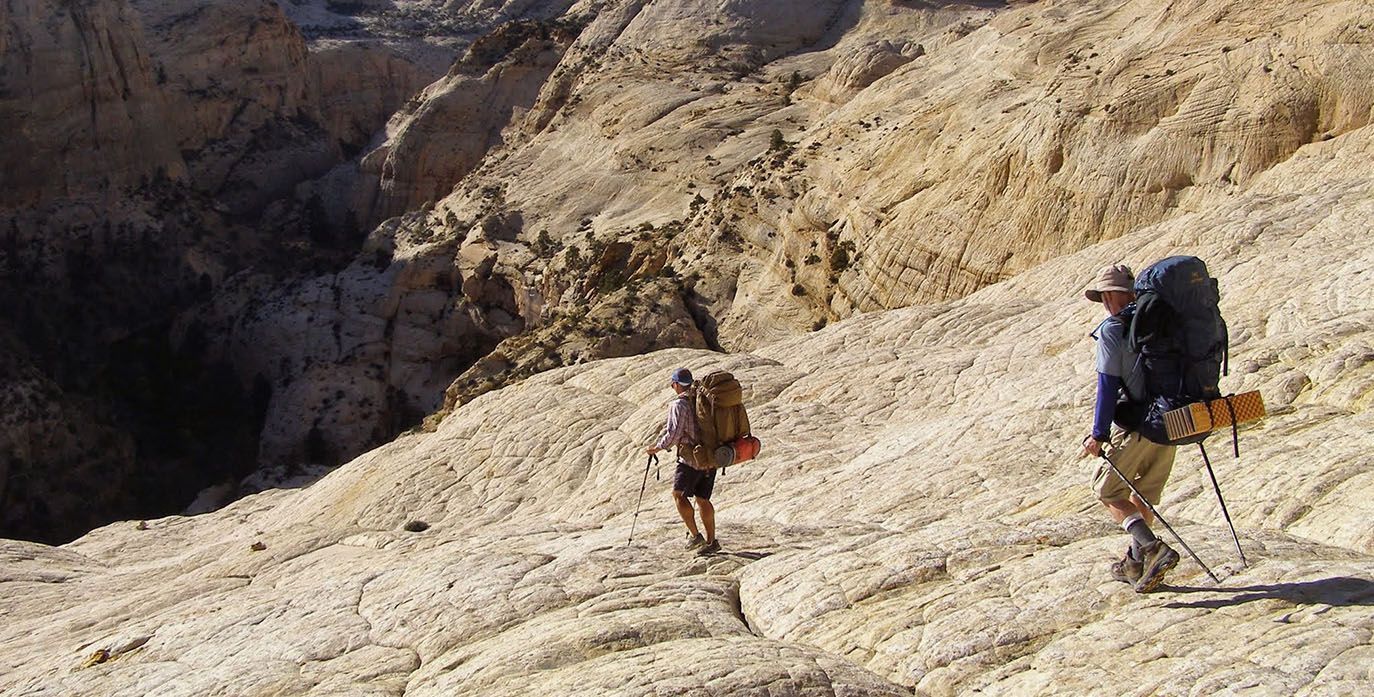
<point>1110,337</point>
<point>674,431</point>
<point>1108,387</point>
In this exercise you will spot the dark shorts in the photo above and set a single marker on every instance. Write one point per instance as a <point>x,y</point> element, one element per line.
<point>694,482</point>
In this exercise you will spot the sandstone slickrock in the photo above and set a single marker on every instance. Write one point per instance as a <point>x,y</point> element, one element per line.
<point>884,114</point>
<point>917,521</point>
<point>927,150</point>
<point>922,151</point>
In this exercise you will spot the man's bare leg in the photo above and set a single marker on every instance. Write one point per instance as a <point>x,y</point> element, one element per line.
<point>1124,509</point>
<point>1145,513</point>
<point>684,511</point>
<point>708,518</point>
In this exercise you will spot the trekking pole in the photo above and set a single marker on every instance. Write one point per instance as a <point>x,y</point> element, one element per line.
<point>1224,513</point>
<point>1161,519</point>
<point>653,459</point>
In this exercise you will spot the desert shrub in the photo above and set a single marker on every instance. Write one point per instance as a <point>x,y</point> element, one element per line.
<point>545,245</point>
<point>611,281</point>
<point>842,255</point>
<point>776,142</point>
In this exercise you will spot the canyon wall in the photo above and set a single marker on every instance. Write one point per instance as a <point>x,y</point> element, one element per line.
<point>152,151</point>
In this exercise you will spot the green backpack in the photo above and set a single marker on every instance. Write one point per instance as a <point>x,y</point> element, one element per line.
<point>723,436</point>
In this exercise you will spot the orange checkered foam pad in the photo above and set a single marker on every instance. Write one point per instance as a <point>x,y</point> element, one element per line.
<point>1201,417</point>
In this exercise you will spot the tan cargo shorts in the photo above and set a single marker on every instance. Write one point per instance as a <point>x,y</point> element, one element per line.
<point>1145,462</point>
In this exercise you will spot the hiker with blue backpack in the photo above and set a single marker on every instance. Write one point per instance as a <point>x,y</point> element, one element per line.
<point>1161,352</point>
<point>1145,463</point>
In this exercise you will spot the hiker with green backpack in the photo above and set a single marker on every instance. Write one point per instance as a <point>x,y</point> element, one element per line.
<point>710,428</point>
<point>1126,453</point>
<point>689,482</point>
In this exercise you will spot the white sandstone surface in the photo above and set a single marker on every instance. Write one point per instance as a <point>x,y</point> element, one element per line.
<point>918,520</point>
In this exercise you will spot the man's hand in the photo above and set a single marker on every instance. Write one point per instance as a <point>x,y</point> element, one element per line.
<point>1092,446</point>
<point>651,450</point>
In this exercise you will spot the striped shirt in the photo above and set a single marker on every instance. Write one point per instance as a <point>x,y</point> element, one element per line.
<point>682,424</point>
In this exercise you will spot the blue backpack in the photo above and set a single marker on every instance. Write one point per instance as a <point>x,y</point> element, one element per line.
<point>1176,328</point>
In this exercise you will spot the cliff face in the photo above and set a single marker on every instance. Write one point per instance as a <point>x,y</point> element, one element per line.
<point>358,85</point>
<point>79,78</point>
<point>921,153</point>
<point>1091,121</point>
<point>144,143</point>
<point>235,75</point>
<point>113,92</point>
<point>442,134</point>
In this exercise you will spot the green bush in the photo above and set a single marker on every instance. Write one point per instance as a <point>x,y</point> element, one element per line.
<point>842,255</point>
<point>545,245</point>
<point>776,142</point>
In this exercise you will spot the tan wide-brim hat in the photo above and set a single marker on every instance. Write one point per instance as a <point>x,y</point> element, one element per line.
<point>1115,277</point>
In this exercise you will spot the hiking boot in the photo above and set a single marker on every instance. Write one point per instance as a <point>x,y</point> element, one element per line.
<point>1127,570</point>
<point>1156,558</point>
<point>709,549</point>
<point>695,541</point>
